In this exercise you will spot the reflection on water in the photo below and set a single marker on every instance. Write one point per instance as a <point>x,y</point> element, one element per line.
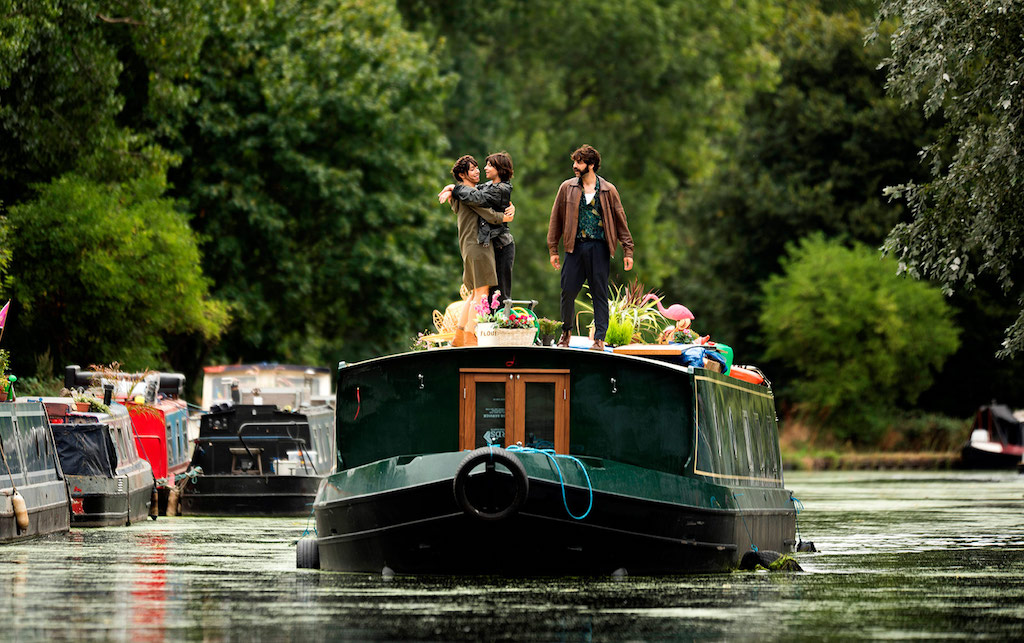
<point>902,555</point>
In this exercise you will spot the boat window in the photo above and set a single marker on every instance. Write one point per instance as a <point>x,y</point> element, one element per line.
<point>489,414</point>
<point>539,416</point>
<point>748,438</point>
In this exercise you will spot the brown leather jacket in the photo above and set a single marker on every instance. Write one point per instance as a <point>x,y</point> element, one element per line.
<point>566,209</point>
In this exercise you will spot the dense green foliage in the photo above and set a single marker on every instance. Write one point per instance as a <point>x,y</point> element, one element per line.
<point>291,149</point>
<point>963,60</point>
<point>311,160</point>
<point>119,248</point>
<point>860,338</point>
<point>813,154</point>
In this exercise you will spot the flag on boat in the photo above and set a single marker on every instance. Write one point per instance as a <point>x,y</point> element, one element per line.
<point>3,313</point>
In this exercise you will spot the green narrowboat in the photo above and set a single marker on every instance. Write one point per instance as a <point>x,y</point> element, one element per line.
<point>543,461</point>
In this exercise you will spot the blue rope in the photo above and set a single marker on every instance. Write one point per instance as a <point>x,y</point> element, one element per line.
<point>798,506</point>
<point>306,532</point>
<point>736,497</point>
<point>551,455</point>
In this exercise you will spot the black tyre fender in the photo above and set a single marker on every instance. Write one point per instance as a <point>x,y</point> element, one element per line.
<point>491,456</point>
<point>307,554</point>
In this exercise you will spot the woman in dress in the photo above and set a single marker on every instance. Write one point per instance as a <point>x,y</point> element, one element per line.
<point>478,267</point>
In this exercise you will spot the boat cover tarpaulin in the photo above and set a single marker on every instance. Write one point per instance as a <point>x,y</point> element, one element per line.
<point>85,449</point>
<point>1002,426</point>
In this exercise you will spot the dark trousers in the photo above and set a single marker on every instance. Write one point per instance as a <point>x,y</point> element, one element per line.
<point>504,257</point>
<point>590,262</point>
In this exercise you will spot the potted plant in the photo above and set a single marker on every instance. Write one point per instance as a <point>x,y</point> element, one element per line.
<point>5,376</point>
<point>548,329</point>
<point>487,314</point>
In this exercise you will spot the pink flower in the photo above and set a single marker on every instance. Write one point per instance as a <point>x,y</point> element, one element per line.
<point>495,301</point>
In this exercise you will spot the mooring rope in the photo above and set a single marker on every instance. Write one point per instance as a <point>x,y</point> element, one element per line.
<point>798,507</point>
<point>736,497</point>
<point>551,455</point>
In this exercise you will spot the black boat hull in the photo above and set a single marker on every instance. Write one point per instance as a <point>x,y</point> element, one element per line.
<point>973,458</point>
<point>249,495</point>
<point>423,530</point>
<point>98,501</point>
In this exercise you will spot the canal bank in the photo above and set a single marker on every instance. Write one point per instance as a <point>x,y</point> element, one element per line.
<point>905,554</point>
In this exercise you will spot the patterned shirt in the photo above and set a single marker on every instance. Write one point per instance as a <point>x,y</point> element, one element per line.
<point>591,222</point>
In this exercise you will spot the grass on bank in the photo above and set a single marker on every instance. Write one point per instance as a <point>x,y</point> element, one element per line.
<point>909,441</point>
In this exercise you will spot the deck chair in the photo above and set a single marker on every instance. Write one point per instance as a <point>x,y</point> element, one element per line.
<point>445,323</point>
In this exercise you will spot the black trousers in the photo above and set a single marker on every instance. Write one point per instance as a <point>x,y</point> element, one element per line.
<point>590,262</point>
<point>504,257</point>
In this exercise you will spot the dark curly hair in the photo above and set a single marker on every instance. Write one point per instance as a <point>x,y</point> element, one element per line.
<point>588,155</point>
<point>463,165</point>
<point>502,162</point>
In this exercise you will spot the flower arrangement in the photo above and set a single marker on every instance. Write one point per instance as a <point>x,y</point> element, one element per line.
<point>419,342</point>
<point>513,320</point>
<point>488,311</point>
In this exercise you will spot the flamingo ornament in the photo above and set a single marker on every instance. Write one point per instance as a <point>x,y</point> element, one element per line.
<point>678,313</point>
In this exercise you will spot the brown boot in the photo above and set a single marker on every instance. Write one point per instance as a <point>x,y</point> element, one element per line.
<point>460,337</point>
<point>564,339</point>
<point>598,345</point>
<point>470,339</point>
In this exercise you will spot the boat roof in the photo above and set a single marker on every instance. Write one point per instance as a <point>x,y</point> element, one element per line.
<point>262,366</point>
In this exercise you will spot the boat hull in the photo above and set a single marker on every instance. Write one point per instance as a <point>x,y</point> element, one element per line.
<point>47,505</point>
<point>249,495</point>
<point>972,457</point>
<point>100,501</point>
<point>420,528</point>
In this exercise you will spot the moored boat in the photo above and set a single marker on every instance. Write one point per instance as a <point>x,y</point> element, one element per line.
<point>996,440</point>
<point>31,472</point>
<point>533,460</point>
<point>159,417</point>
<point>110,483</point>
<point>264,444</point>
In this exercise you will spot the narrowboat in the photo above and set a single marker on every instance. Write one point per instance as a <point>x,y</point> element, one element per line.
<point>265,443</point>
<point>31,474</point>
<point>996,440</point>
<point>549,461</point>
<point>160,420</point>
<point>110,484</point>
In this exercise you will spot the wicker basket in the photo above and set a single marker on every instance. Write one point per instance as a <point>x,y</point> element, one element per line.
<point>515,336</point>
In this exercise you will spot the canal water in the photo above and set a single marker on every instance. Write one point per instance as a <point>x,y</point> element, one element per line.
<point>902,555</point>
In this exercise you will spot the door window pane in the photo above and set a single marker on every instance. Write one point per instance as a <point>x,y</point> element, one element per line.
<point>490,414</point>
<point>540,415</point>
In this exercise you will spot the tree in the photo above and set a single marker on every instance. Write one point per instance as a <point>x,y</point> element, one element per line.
<point>963,60</point>
<point>103,273</point>
<point>860,338</point>
<point>813,154</point>
<point>86,84</point>
<point>311,159</point>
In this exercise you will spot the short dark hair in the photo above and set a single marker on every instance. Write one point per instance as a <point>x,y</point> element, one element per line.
<point>463,165</point>
<point>502,162</point>
<point>588,155</point>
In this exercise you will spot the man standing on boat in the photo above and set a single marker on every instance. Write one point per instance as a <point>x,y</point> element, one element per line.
<point>588,218</point>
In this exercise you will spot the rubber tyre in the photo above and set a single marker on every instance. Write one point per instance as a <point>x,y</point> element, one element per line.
<point>307,554</point>
<point>520,481</point>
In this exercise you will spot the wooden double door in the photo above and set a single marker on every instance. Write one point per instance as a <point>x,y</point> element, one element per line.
<point>503,407</point>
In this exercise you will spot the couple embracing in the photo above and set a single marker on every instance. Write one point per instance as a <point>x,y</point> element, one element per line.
<point>587,219</point>
<point>483,212</point>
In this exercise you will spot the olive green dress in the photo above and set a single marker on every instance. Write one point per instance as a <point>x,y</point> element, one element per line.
<point>477,261</point>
